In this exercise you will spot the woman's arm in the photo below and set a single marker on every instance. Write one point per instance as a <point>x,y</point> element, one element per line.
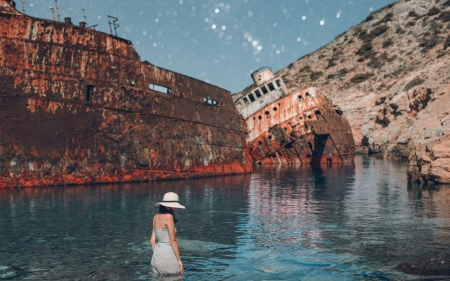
<point>173,239</point>
<point>153,238</point>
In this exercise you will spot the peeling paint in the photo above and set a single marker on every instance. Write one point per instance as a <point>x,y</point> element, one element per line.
<point>293,127</point>
<point>78,109</point>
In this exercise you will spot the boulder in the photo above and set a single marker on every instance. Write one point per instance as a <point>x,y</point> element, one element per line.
<point>432,263</point>
<point>430,162</point>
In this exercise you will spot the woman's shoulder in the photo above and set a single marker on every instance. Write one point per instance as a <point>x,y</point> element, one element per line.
<point>166,217</point>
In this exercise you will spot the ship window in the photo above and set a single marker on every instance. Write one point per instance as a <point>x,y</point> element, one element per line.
<point>275,108</point>
<point>338,112</point>
<point>264,89</point>
<point>278,83</point>
<point>259,117</point>
<point>89,90</point>
<point>300,97</point>
<point>252,98</point>
<point>158,88</point>
<point>309,116</point>
<point>270,137</point>
<point>271,87</point>
<point>257,93</point>
<point>317,112</point>
<point>210,101</point>
<point>246,100</point>
<point>260,142</point>
<point>307,94</point>
<point>267,112</point>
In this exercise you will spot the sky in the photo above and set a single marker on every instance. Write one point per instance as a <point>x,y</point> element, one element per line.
<point>217,41</point>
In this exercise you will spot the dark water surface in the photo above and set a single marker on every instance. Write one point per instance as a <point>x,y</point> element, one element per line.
<point>352,222</point>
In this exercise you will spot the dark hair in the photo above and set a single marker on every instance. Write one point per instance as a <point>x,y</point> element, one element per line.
<point>165,210</point>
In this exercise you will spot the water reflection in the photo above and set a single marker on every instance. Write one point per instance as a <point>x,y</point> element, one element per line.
<point>339,222</point>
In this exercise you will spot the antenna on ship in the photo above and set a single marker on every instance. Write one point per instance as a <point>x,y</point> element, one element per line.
<point>53,12</point>
<point>85,18</point>
<point>23,6</point>
<point>113,23</point>
<point>57,9</point>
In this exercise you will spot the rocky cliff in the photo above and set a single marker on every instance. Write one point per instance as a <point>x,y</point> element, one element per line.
<point>389,74</point>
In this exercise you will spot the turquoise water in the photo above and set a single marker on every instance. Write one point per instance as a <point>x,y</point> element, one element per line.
<point>353,222</point>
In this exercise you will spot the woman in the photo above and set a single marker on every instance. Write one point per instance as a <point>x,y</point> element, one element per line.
<point>166,255</point>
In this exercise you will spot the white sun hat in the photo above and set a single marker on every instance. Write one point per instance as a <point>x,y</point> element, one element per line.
<point>170,199</point>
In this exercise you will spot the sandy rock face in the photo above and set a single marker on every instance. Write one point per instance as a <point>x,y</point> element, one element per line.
<point>389,75</point>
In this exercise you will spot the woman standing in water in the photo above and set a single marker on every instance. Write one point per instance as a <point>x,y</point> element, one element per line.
<point>166,255</point>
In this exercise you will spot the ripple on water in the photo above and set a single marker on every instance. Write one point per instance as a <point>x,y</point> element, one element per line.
<point>354,222</point>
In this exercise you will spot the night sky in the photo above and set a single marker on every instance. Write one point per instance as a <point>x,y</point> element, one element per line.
<point>220,42</point>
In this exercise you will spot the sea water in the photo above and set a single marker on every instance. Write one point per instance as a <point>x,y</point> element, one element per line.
<point>338,222</point>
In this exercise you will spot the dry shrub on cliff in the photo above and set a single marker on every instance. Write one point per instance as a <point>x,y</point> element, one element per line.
<point>387,43</point>
<point>445,16</point>
<point>413,14</point>
<point>375,63</point>
<point>365,51</point>
<point>359,78</point>
<point>427,43</point>
<point>377,31</point>
<point>413,83</point>
<point>315,75</point>
<point>447,42</point>
<point>433,11</point>
<point>400,30</point>
<point>369,18</point>
<point>387,18</point>
<point>365,36</point>
<point>411,23</point>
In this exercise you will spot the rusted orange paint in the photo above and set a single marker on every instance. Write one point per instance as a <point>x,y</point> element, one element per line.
<point>293,127</point>
<point>118,131</point>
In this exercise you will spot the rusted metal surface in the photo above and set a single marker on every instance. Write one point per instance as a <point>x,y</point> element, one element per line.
<point>293,127</point>
<point>78,106</point>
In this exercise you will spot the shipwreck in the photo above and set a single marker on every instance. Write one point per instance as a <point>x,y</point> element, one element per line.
<point>293,126</point>
<point>79,106</point>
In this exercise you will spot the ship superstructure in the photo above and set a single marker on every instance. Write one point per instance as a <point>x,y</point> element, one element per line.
<point>293,127</point>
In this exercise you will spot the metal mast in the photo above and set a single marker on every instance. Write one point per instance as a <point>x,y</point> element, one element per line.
<point>57,9</point>
<point>53,12</point>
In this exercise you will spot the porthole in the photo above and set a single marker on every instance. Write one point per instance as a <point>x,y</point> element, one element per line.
<point>259,117</point>
<point>275,108</point>
<point>267,112</point>
<point>260,142</point>
<point>270,137</point>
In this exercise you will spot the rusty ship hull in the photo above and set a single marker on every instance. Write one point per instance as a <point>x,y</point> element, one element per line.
<point>293,126</point>
<point>79,106</point>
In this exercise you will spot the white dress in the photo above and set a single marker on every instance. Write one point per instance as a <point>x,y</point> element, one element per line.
<point>164,261</point>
